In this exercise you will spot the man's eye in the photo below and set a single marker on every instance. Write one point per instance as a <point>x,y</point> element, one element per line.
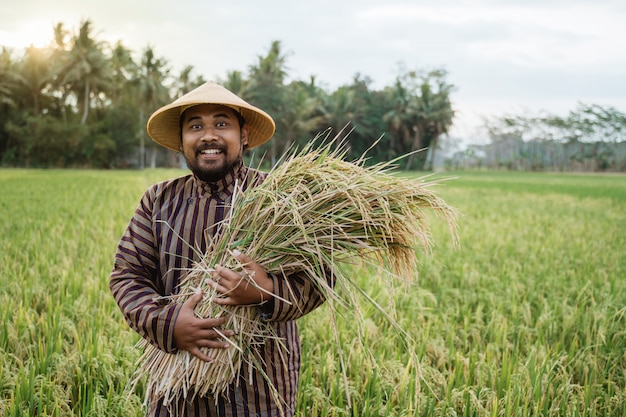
<point>221,124</point>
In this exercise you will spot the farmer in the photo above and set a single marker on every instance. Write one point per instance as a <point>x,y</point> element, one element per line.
<point>173,226</point>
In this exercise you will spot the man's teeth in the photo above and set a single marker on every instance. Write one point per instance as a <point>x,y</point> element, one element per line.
<point>211,151</point>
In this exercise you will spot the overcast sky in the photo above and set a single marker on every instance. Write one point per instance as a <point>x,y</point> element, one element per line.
<point>503,56</point>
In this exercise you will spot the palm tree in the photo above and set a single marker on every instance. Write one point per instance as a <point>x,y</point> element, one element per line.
<point>299,119</point>
<point>32,77</point>
<point>338,109</point>
<point>267,90</point>
<point>184,82</point>
<point>8,72</point>
<point>151,93</point>
<point>420,114</point>
<point>236,83</point>
<point>434,115</point>
<point>87,69</point>
<point>7,75</point>
<point>123,70</point>
<point>399,117</point>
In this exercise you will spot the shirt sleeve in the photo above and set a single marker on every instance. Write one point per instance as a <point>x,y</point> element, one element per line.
<point>295,296</point>
<point>135,282</point>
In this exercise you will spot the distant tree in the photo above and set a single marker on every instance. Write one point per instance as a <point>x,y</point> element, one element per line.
<point>298,117</point>
<point>421,112</point>
<point>7,76</point>
<point>124,69</point>
<point>585,139</point>
<point>399,117</point>
<point>151,93</point>
<point>32,78</point>
<point>7,102</point>
<point>597,123</point>
<point>267,91</point>
<point>87,70</point>
<point>236,82</point>
<point>338,109</point>
<point>434,115</point>
<point>369,126</point>
<point>185,82</point>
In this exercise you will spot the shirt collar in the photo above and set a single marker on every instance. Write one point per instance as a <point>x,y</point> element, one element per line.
<point>224,187</point>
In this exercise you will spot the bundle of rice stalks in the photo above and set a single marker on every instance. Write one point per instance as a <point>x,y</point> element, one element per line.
<point>314,211</point>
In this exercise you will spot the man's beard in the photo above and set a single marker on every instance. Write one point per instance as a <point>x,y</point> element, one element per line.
<point>212,174</point>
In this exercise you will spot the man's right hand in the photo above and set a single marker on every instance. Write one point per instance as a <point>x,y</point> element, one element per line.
<point>191,333</point>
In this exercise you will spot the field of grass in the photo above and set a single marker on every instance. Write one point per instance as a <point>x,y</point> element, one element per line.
<point>526,318</point>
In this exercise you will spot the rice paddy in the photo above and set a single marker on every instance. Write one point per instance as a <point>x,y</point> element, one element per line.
<point>526,318</point>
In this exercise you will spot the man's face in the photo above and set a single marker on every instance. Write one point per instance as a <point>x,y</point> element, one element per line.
<point>212,140</point>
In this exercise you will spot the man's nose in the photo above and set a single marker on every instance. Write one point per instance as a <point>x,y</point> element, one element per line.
<point>209,135</point>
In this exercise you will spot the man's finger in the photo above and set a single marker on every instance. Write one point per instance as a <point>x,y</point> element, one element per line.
<point>248,263</point>
<point>241,257</point>
<point>198,354</point>
<point>210,323</point>
<point>193,300</point>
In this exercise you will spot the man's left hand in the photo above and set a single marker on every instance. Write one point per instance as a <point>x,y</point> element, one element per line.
<point>252,287</point>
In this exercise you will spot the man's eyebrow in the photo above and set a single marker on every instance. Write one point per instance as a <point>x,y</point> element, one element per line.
<point>193,118</point>
<point>215,116</point>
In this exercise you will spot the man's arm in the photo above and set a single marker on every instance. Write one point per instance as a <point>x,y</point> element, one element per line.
<point>135,286</point>
<point>134,280</point>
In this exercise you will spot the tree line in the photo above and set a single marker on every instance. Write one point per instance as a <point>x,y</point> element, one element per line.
<point>82,102</point>
<point>588,138</point>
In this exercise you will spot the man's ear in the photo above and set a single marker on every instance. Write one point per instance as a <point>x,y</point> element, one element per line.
<point>244,137</point>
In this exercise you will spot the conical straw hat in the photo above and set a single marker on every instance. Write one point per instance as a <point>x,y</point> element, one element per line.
<point>164,124</point>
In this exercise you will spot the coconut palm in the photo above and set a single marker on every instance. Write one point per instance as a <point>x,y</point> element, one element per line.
<point>421,112</point>
<point>7,74</point>
<point>87,69</point>
<point>399,117</point>
<point>123,70</point>
<point>267,90</point>
<point>184,83</point>
<point>298,118</point>
<point>434,115</point>
<point>150,92</point>
<point>32,77</point>
<point>237,83</point>
<point>338,109</point>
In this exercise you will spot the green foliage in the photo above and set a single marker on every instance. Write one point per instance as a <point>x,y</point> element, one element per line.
<point>526,318</point>
<point>45,141</point>
<point>81,78</point>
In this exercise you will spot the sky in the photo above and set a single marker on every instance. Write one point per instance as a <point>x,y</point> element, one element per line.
<point>504,57</point>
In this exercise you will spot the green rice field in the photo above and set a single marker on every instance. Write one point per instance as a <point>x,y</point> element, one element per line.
<point>527,317</point>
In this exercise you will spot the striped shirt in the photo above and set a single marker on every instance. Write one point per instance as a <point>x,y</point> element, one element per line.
<point>173,223</point>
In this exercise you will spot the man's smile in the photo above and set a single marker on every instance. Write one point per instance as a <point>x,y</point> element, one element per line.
<point>209,153</point>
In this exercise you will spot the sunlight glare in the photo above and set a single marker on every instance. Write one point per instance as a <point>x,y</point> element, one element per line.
<point>33,33</point>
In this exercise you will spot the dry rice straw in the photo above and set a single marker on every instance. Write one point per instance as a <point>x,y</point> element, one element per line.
<point>315,210</point>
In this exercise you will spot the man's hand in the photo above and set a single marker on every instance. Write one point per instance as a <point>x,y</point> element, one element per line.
<point>191,333</point>
<point>253,287</point>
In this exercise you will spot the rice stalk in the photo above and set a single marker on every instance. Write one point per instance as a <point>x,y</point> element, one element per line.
<point>313,212</point>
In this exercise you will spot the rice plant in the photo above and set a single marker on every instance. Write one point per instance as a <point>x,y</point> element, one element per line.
<point>525,318</point>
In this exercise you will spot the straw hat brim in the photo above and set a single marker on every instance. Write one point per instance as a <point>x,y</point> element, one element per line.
<point>164,124</point>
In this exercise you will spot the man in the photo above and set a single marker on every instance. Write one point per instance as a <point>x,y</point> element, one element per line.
<point>173,225</point>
